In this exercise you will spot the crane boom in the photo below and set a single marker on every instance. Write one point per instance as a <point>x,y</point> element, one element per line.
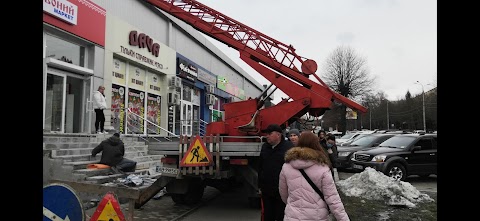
<point>276,61</point>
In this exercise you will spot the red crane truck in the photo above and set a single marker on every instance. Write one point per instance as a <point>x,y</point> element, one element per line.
<point>230,150</point>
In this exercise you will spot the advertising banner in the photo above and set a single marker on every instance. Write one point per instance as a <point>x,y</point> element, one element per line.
<point>117,118</point>
<point>351,114</point>
<point>136,78</point>
<point>119,72</point>
<point>153,83</point>
<point>217,115</point>
<point>136,104</point>
<point>153,113</point>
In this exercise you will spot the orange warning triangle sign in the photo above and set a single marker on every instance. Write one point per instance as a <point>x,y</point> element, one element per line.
<point>197,155</point>
<point>108,209</point>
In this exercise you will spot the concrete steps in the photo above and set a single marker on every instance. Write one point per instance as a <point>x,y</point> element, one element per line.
<point>74,152</point>
<point>83,151</point>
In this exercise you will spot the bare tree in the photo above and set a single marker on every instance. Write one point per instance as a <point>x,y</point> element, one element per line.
<point>347,73</point>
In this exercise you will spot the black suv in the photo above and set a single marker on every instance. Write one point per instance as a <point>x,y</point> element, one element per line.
<point>366,142</point>
<point>400,156</point>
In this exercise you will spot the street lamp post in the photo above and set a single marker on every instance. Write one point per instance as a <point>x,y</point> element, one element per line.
<point>423,104</point>
<point>370,110</point>
<point>388,118</point>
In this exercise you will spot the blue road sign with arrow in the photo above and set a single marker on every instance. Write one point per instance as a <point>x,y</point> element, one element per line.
<point>60,203</point>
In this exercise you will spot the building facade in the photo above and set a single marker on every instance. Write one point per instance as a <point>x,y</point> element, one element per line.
<point>161,75</point>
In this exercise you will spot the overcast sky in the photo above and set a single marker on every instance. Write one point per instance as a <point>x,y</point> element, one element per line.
<point>398,38</point>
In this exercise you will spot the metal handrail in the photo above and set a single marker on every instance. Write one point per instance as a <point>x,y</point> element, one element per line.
<point>202,127</point>
<point>147,121</point>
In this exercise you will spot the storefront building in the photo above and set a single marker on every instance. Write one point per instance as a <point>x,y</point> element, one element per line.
<point>139,67</point>
<point>160,75</point>
<point>73,41</point>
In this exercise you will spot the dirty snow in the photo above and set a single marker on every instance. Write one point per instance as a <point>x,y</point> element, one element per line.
<point>374,185</point>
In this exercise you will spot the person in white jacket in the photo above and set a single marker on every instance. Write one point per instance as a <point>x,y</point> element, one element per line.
<point>99,104</point>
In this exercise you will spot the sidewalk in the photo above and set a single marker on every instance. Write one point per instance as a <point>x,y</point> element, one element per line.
<point>162,209</point>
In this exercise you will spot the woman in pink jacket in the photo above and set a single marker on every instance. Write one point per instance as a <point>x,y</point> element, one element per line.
<point>303,203</point>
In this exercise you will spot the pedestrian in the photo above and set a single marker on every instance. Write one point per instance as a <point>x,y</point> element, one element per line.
<point>271,160</point>
<point>113,151</point>
<point>99,104</point>
<point>321,136</point>
<point>293,135</point>
<point>331,148</point>
<point>302,201</point>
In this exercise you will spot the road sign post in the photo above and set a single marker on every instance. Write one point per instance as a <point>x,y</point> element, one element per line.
<point>60,203</point>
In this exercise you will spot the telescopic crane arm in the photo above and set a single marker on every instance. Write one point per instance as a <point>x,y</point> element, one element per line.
<point>276,61</point>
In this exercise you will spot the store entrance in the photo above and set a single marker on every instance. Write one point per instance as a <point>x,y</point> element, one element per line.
<point>54,103</point>
<point>186,113</point>
<point>64,102</point>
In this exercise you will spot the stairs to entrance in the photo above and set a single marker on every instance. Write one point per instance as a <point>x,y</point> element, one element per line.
<point>66,157</point>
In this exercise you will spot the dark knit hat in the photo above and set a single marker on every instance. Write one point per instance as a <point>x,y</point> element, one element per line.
<point>116,134</point>
<point>294,131</point>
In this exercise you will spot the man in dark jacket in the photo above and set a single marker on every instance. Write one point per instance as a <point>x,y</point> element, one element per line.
<point>113,151</point>
<point>272,157</point>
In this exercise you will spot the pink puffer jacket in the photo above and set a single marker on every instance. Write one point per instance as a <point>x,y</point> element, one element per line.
<point>303,203</point>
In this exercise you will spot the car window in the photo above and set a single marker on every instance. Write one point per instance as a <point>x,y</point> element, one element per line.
<point>365,140</point>
<point>383,138</point>
<point>347,136</point>
<point>425,143</point>
<point>359,136</point>
<point>397,142</point>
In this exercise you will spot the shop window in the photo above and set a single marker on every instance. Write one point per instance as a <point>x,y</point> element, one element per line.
<point>187,93</point>
<point>65,51</point>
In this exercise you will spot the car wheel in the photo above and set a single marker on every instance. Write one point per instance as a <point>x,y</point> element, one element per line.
<point>396,171</point>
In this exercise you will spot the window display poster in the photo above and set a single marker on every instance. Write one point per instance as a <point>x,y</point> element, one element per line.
<point>119,71</point>
<point>196,96</point>
<point>136,77</point>
<point>117,118</point>
<point>217,115</point>
<point>136,105</point>
<point>153,113</point>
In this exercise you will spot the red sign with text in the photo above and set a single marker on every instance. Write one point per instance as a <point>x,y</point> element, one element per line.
<point>91,20</point>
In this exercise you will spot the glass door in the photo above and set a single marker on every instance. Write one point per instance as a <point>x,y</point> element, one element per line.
<point>186,113</point>
<point>54,109</point>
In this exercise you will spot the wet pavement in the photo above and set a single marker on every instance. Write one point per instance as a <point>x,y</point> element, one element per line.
<point>162,209</point>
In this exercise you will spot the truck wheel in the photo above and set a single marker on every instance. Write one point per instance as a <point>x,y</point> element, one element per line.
<point>254,202</point>
<point>178,198</point>
<point>396,171</point>
<point>194,194</point>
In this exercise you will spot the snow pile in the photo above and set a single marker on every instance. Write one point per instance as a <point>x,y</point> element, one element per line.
<point>374,185</point>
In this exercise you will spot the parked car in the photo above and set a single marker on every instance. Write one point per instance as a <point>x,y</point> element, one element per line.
<point>349,141</point>
<point>401,156</point>
<point>365,141</point>
<point>349,137</point>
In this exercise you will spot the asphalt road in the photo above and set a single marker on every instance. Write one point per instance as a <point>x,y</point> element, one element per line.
<point>219,206</point>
